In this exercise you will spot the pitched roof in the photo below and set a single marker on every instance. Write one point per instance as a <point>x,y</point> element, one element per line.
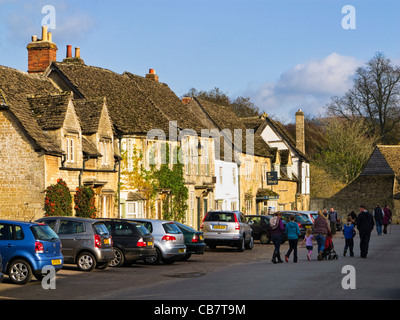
<point>89,113</point>
<point>223,117</point>
<point>385,159</point>
<point>50,110</point>
<point>259,123</point>
<point>16,86</point>
<point>136,104</point>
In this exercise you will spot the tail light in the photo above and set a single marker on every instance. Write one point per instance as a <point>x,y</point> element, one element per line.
<point>299,224</point>
<point>97,241</point>
<point>202,222</point>
<point>168,238</point>
<point>237,225</point>
<point>195,238</point>
<point>141,243</point>
<point>39,248</point>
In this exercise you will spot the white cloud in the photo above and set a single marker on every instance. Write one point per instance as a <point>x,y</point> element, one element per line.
<point>308,86</point>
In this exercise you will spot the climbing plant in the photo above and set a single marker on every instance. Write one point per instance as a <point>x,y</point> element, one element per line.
<point>58,200</point>
<point>85,202</point>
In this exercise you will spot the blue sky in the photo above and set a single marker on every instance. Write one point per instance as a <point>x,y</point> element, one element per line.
<point>285,54</point>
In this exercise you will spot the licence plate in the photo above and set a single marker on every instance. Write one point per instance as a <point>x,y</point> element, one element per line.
<point>308,227</point>
<point>201,237</point>
<point>149,243</point>
<point>56,262</point>
<point>181,250</point>
<point>106,241</point>
<point>219,227</point>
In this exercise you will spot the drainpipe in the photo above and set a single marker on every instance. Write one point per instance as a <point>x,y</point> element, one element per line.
<point>81,171</point>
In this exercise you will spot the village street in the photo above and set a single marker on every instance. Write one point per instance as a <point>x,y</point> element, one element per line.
<point>224,274</point>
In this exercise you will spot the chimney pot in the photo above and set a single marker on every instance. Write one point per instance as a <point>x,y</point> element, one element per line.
<point>152,75</point>
<point>77,52</point>
<point>50,37</point>
<point>69,51</point>
<point>186,100</point>
<point>34,38</point>
<point>44,33</point>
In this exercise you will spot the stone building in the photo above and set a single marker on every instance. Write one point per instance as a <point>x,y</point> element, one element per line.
<point>289,160</point>
<point>146,115</point>
<point>378,183</point>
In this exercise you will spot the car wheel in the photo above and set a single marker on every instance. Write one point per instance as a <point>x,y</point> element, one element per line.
<point>20,272</point>
<point>240,245</point>
<point>154,260</point>
<point>119,258</point>
<point>264,239</point>
<point>250,245</point>
<point>86,262</point>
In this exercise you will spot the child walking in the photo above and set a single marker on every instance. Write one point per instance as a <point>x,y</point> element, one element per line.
<point>292,230</point>
<point>349,232</point>
<point>308,240</point>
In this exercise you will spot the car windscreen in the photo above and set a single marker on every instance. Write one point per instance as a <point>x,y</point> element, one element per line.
<point>171,227</point>
<point>44,233</point>
<point>220,217</point>
<point>101,229</point>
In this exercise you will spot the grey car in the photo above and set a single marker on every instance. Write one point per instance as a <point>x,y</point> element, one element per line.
<point>227,228</point>
<point>85,242</point>
<point>169,241</point>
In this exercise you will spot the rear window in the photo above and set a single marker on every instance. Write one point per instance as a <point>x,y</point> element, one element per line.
<point>220,216</point>
<point>44,233</point>
<point>100,229</point>
<point>302,219</point>
<point>185,227</point>
<point>142,230</point>
<point>171,227</point>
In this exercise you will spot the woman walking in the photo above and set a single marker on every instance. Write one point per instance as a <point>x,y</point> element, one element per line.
<point>277,229</point>
<point>321,229</point>
<point>292,230</point>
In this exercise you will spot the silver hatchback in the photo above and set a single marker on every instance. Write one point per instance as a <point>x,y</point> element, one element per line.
<point>168,241</point>
<point>227,228</point>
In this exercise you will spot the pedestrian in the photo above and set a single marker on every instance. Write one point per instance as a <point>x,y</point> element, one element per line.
<point>349,233</point>
<point>325,212</point>
<point>353,217</point>
<point>293,232</point>
<point>321,229</point>
<point>378,216</point>
<point>365,225</point>
<point>308,238</point>
<point>277,229</point>
<point>332,220</point>
<point>387,218</point>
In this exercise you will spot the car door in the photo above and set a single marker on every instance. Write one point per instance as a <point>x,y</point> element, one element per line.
<point>72,236</point>
<point>7,242</point>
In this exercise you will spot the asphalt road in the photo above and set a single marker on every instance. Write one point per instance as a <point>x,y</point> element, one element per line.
<point>225,274</point>
<point>376,277</point>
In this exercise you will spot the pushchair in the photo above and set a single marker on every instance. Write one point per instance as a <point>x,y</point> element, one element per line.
<point>329,252</point>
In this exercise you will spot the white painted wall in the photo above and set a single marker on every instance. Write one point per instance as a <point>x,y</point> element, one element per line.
<point>226,190</point>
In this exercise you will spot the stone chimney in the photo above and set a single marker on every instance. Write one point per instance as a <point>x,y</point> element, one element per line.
<point>41,52</point>
<point>300,131</point>
<point>152,75</point>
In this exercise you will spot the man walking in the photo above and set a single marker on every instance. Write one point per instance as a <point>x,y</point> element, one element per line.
<point>365,225</point>
<point>378,216</point>
<point>332,219</point>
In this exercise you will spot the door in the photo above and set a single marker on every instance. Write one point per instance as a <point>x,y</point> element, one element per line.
<point>72,236</point>
<point>7,242</point>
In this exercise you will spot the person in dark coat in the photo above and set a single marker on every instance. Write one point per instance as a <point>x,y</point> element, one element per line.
<point>387,217</point>
<point>276,237</point>
<point>378,216</point>
<point>365,225</point>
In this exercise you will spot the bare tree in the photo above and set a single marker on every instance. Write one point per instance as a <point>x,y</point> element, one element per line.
<point>374,97</point>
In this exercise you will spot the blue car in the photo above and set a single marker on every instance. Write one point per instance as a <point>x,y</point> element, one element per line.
<point>26,248</point>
